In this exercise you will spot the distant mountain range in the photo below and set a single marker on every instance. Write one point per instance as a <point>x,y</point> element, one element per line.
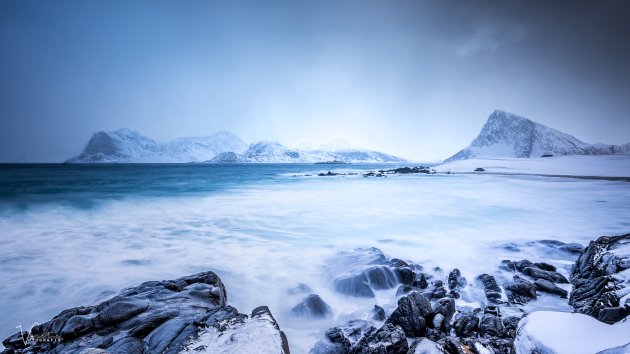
<point>129,146</point>
<point>509,135</point>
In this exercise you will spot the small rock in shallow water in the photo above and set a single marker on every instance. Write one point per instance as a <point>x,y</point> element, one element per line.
<point>378,313</point>
<point>491,288</point>
<point>550,288</point>
<point>312,307</point>
<point>465,324</point>
<point>538,273</point>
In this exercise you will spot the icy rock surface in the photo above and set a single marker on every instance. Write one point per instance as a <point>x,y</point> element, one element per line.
<point>188,314</point>
<point>509,135</point>
<point>601,279</point>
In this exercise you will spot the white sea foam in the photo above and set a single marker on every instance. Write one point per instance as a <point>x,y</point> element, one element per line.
<point>265,239</point>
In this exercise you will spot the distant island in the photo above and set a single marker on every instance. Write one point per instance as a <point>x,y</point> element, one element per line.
<point>129,146</point>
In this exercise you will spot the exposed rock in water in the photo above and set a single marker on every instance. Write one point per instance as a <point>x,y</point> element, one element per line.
<point>490,287</point>
<point>411,314</point>
<point>388,339</point>
<point>378,314</point>
<point>601,279</point>
<point>156,317</point>
<point>549,287</point>
<point>312,307</point>
<point>520,291</point>
<point>455,280</point>
<point>356,285</point>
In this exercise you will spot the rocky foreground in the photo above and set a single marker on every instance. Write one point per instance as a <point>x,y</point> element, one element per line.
<point>190,314</point>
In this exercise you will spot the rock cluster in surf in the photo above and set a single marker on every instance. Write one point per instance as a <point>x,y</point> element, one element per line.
<point>173,316</point>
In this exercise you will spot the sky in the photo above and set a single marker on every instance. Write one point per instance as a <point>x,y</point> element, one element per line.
<point>416,79</point>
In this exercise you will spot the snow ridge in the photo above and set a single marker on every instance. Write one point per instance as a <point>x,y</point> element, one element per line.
<point>509,135</point>
<point>129,146</point>
<point>273,152</point>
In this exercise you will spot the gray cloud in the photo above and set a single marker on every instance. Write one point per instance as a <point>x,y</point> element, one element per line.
<point>413,78</point>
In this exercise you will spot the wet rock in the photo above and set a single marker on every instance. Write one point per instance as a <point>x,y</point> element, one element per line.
<point>455,280</point>
<point>435,291</point>
<point>77,326</point>
<point>465,324</point>
<point>154,317</point>
<point>445,306</point>
<point>405,275</point>
<point>550,288</point>
<point>511,324</point>
<point>452,345</point>
<point>571,248</point>
<point>507,265</point>
<point>598,284</point>
<point>411,313</point>
<point>312,307</point>
<point>388,339</point>
<point>538,273</point>
<point>340,339</point>
<point>381,277</point>
<point>492,325</point>
<point>404,289</point>
<point>521,265</point>
<point>545,266</point>
<point>421,282</point>
<point>490,286</point>
<point>356,285</point>
<point>396,262</point>
<point>378,313</point>
<point>520,291</point>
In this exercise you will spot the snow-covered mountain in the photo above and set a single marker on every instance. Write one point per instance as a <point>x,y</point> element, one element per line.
<point>509,135</point>
<point>269,151</point>
<point>129,146</point>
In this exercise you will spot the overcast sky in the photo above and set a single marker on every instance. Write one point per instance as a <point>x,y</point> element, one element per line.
<point>415,79</point>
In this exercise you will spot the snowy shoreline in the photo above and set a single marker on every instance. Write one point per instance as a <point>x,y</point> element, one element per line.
<point>431,315</point>
<point>577,166</point>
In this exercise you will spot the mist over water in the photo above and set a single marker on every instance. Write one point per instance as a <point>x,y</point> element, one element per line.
<point>76,238</point>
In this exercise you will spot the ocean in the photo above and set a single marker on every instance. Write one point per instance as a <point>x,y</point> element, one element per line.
<point>77,234</point>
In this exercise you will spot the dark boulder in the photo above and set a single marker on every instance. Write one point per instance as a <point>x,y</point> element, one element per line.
<point>490,287</point>
<point>411,314</point>
<point>520,291</point>
<point>550,288</point>
<point>381,277</point>
<point>378,314</point>
<point>596,282</point>
<point>405,275</point>
<point>312,307</point>
<point>538,273</point>
<point>545,266</point>
<point>492,325</point>
<point>340,339</point>
<point>388,339</point>
<point>521,265</point>
<point>465,324</point>
<point>511,324</point>
<point>455,280</point>
<point>355,285</point>
<point>154,317</point>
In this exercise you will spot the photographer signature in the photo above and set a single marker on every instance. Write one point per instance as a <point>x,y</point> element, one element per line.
<point>30,338</point>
